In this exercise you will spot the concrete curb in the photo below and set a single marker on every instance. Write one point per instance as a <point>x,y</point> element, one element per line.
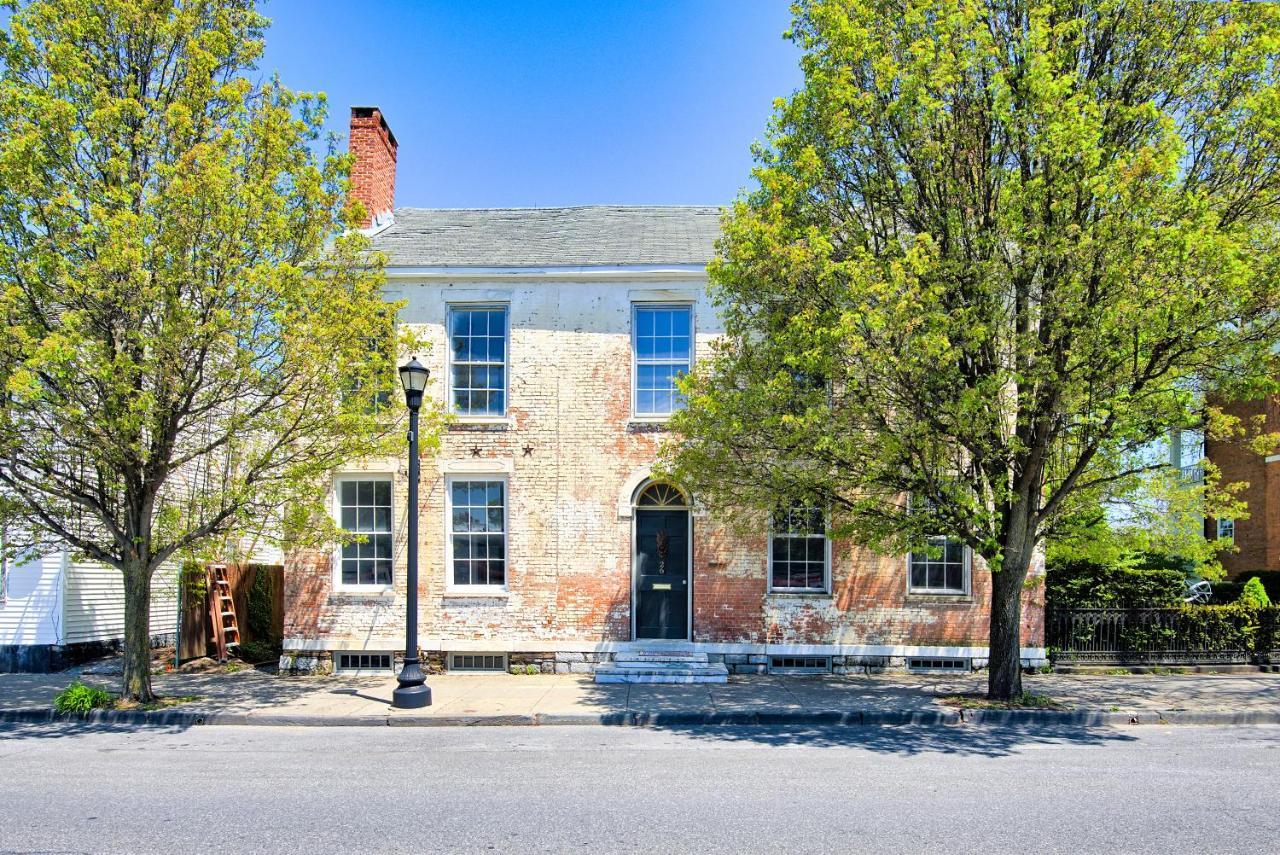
<point>637,718</point>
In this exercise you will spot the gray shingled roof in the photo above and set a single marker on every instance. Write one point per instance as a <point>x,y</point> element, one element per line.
<point>522,237</point>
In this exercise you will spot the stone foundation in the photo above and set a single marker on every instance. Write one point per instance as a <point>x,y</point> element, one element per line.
<point>320,662</point>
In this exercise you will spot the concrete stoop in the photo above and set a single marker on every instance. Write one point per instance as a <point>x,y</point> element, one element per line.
<point>662,666</point>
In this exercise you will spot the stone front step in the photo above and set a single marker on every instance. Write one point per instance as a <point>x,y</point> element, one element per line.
<point>662,672</point>
<point>642,656</point>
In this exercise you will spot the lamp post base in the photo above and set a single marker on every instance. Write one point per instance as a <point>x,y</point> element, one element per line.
<point>411,697</point>
<point>413,692</point>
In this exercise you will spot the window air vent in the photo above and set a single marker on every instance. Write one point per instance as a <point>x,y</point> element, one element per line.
<point>799,664</point>
<point>478,662</point>
<point>935,663</point>
<point>356,662</point>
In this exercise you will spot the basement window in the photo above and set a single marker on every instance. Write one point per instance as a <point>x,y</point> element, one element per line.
<point>936,664</point>
<point>799,664</point>
<point>362,663</point>
<point>490,662</point>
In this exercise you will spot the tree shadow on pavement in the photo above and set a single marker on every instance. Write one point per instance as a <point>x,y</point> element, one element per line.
<point>908,740</point>
<point>64,728</point>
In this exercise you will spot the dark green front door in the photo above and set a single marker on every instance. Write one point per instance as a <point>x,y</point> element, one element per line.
<point>662,573</point>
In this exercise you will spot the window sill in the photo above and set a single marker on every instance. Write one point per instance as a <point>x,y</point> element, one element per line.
<point>947,598</point>
<point>476,594</point>
<point>379,591</point>
<point>798,592</point>
<point>463,424</point>
<point>647,424</point>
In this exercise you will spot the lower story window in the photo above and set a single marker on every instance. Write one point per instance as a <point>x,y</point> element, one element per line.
<point>365,510</point>
<point>478,532</point>
<point>941,568</point>
<point>1227,530</point>
<point>798,550</point>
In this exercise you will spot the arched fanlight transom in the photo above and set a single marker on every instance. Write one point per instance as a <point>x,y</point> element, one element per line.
<point>659,495</point>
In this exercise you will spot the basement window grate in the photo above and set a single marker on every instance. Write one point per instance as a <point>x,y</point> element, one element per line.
<point>349,663</point>
<point>937,663</point>
<point>478,662</point>
<point>799,664</point>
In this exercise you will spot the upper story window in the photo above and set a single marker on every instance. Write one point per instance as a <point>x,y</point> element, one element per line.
<point>942,569</point>
<point>799,557</point>
<point>663,346</point>
<point>364,508</point>
<point>478,360</point>
<point>477,513</point>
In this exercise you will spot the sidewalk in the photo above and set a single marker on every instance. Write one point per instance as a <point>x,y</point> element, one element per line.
<point>252,697</point>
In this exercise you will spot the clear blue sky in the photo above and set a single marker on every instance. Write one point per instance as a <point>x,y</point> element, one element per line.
<point>548,103</point>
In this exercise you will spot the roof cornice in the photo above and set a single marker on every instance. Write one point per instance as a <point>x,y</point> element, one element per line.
<point>580,273</point>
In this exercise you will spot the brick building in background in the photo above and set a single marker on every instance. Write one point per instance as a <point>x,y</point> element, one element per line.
<point>1257,538</point>
<point>555,334</point>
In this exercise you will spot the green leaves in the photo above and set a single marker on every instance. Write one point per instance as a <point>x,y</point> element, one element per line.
<point>186,306</point>
<point>1021,242</point>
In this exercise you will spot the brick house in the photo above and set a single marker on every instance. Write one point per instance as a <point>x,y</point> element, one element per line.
<point>1257,538</point>
<point>555,335</point>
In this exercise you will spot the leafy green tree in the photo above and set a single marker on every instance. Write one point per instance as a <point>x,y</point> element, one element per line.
<point>996,250</point>
<point>186,314</point>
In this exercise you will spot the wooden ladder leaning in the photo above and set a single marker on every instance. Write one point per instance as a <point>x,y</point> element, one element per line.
<point>222,611</point>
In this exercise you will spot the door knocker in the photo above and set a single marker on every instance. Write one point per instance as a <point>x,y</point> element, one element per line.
<point>663,548</point>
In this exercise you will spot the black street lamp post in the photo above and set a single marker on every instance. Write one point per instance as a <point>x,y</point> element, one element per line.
<point>413,691</point>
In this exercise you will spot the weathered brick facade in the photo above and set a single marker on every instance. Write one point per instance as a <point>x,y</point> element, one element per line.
<point>573,457</point>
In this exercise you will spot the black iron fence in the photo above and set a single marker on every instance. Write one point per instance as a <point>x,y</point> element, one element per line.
<point>1191,635</point>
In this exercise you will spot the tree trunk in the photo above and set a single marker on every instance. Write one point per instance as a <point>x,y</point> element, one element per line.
<point>137,635</point>
<point>1004,669</point>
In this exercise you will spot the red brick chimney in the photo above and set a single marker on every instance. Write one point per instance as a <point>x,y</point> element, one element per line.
<point>373,176</point>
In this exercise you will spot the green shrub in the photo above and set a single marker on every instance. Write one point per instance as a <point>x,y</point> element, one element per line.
<point>1270,580</point>
<point>1254,595</point>
<point>79,698</point>
<point>259,606</point>
<point>1225,593</point>
<point>257,651</point>
<point>1079,584</point>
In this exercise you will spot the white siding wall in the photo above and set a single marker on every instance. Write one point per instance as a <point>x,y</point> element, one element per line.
<point>95,602</point>
<point>31,611</point>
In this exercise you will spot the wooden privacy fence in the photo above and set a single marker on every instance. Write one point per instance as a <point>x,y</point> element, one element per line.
<point>196,633</point>
<point>1191,635</point>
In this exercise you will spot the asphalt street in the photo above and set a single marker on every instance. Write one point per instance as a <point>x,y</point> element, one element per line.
<point>596,789</point>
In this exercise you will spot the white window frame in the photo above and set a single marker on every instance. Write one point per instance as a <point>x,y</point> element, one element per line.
<point>636,307</point>
<point>506,361</point>
<point>826,560</point>
<point>1226,529</point>
<point>363,672</point>
<point>450,586</point>
<point>966,574</point>
<point>336,510</point>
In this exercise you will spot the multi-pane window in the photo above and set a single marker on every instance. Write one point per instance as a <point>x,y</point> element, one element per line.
<point>939,569</point>
<point>478,360</point>
<point>798,550</point>
<point>365,510</point>
<point>663,351</point>
<point>478,532</point>
<point>1227,530</point>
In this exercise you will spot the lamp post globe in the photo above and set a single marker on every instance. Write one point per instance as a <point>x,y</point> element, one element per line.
<point>412,692</point>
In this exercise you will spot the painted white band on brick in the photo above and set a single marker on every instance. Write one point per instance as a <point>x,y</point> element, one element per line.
<point>535,646</point>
